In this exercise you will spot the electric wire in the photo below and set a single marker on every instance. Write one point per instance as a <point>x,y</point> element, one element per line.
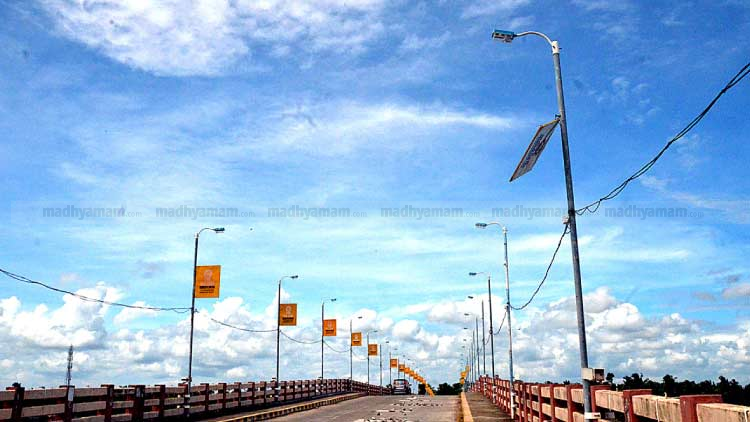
<point>546,273</point>
<point>335,350</point>
<point>241,328</point>
<point>505,316</point>
<point>298,341</point>
<point>594,206</point>
<point>23,279</point>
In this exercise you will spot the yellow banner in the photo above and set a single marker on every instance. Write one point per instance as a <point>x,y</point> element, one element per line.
<point>288,314</point>
<point>394,363</point>
<point>207,281</point>
<point>372,350</point>
<point>356,339</point>
<point>329,328</point>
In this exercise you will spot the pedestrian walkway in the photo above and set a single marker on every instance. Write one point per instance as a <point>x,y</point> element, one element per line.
<point>482,409</point>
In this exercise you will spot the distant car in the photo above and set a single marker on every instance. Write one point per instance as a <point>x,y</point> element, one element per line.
<point>401,386</point>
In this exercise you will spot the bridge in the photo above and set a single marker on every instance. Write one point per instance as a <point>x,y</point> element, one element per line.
<point>346,400</point>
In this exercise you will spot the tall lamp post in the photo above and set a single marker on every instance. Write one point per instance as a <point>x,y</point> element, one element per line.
<point>492,330</point>
<point>278,323</point>
<point>508,36</point>
<point>507,310</point>
<point>368,354</point>
<point>390,378</point>
<point>351,350</point>
<point>323,332</point>
<point>192,314</point>
<point>484,354</point>
<point>380,355</point>
<point>475,351</point>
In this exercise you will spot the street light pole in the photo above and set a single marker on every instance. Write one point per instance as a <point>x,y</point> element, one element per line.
<point>492,330</point>
<point>380,355</point>
<point>368,358</point>
<point>323,332</point>
<point>476,332</point>
<point>278,324</point>
<point>508,36</point>
<point>368,354</point>
<point>510,330</point>
<point>507,311</point>
<point>390,370</point>
<point>192,315</point>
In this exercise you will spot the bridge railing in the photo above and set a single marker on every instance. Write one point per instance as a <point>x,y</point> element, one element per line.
<point>556,402</point>
<point>160,402</point>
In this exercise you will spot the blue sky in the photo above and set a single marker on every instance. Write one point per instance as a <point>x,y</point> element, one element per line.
<point>364,106</point>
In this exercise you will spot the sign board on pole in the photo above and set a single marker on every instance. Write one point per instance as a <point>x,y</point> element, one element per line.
<point>372,350</point>
<point>356,339</point>
<point>536,146</point>
<point>401,367</point>
<point>207,281</point>
<point>394,363</point>
<point>288,314</point>
<point>329,328</point>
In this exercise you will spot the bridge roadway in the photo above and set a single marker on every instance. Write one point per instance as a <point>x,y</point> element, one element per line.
<point>383,409</point>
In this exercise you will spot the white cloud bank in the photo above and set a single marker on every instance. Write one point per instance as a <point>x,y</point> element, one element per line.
<point>172,37</point>
<point>621,339</point>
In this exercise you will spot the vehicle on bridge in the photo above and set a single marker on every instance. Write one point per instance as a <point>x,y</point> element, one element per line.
<point>401,386</point>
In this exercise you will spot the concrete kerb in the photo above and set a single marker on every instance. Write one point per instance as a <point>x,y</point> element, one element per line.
<point>465,410</point>
<point>275,412</point>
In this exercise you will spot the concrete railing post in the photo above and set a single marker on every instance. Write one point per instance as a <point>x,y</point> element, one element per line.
<point>17,409</point>
<point>688,405</point>
<point>627,400</point>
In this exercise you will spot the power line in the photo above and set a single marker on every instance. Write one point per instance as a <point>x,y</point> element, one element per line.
<point>299,341</point>
<point>505,315</point>
<point>335,350</point>
<point>594,206</point>
<point>23,279</point>
<point>241,328</point>
<point>546,273</point>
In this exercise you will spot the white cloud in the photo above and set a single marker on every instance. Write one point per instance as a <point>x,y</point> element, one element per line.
<point>480,8</point>
<point>204,37</point>
<point>129,314</point>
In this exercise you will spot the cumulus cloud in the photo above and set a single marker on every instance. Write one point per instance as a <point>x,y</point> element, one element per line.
<point>204,37</point>
<point>621,339</point>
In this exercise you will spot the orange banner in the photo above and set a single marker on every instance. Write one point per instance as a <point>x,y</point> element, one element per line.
<point>329,328</point>
<point>207,281</point>
<point>394,363</point>
<point>356,339</point>
<point>288,314</point>
<point>401,367</point>
<point>372,350</point>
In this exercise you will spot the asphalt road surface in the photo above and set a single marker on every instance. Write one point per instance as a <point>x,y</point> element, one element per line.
<point>383,409</point>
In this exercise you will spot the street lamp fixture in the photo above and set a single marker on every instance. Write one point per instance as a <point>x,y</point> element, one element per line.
<point>504,36</point>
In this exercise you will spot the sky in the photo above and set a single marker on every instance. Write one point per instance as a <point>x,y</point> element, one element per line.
<point>356,143</point>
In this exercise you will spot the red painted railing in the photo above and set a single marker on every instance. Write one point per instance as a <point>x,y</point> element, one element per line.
<point>160,402</point>
<point>556,402</point>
